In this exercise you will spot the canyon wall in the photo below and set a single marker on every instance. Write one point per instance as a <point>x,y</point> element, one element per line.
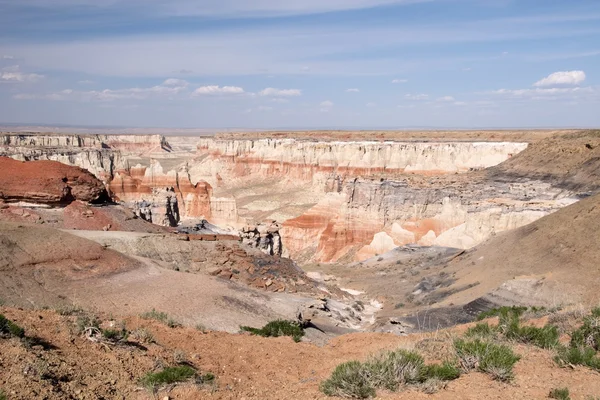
<point>306,160</point>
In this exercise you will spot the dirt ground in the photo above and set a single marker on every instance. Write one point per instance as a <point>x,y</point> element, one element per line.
<point>68,366</point>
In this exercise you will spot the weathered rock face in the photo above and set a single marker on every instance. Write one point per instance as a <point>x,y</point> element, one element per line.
<point>264,237</point>
<point>373,217</point>
<point>306,159</point>
<point>47,182</point>
<point>161,197</point>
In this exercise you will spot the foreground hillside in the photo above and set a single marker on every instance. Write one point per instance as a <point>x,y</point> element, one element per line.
<point>57,361</point>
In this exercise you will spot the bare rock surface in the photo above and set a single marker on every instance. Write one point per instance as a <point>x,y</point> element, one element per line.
<point>47,182</point>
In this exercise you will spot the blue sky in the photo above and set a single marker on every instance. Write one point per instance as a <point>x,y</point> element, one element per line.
<point>301,64</point>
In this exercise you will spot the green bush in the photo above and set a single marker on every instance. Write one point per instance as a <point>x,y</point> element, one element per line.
<point>394,368</point>
<point>495,312</point>
<point>160,317</point>
<point>546,337</point>
<point>7,327</point>
<point>2,395</point>
<point>350,380</point>
<point>85,321</point>
<point>115,335</point>
<point>167,376</point>
<point>560,394</point>
<point>278,328</point>
<point>493,359</point>
<point>585,356</point>
<point>482,330</point>
<point>588,335</point>
<point>389,370</point>
<point>510,327</point>
<point>445,372</point>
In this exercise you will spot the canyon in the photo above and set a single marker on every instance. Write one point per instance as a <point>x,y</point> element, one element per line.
<point>365,240</point>
<point>334,200</point>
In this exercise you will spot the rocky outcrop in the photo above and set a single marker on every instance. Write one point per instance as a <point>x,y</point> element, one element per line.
<point>264,237</point>
<point>48,183</point>
<point>159,197</point>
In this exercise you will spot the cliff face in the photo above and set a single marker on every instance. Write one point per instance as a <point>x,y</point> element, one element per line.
<point>161,197</point>
<point>373,217</point>
<point>305,159</point>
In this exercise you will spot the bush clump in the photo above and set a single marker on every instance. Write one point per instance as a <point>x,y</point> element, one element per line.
<point>2,395</point>
<point>115,335</point>
<point>584,344</point>
<point>509,326</point>
<point>160,317</point>
<point>390,371</point>
<point>588,335</point>
<point>493,359</point>
<point>560,394</point>
<point>278,328</point>
<point>9,328</point>
<point>495,312</point>
<point>351,380</point>
<point>167,376</point>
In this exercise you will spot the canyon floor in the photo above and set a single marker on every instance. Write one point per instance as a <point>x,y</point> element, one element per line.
<point>374,240</point>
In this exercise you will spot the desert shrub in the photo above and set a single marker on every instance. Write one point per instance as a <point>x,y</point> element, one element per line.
<point>69,309</point>
<point>9,328</point>
<point>388,370</point>
<point>560,394</point>
<point>391,369</point>
<point>509,326</point>
<point>350,380</point>
<point>167,376</point>
<point>585,356</point>
<point>2,395</point>
<point>160,317</point>
<point>495,312</point>
<point>85,321</point>
<point>588,335</point>
<point>278,328</point>
<point>446,371</point>
<point>546,337</point>
<point>143,335</point>
<point>493,359</point>
<point>115,335</point>
<point>482,330</point>
<point>207,378</point>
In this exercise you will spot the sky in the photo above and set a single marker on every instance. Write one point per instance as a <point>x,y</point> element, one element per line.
<point>274,64</point>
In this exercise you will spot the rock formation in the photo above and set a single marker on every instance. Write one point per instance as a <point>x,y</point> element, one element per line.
<point>48,183</point>
<point>264,237</point>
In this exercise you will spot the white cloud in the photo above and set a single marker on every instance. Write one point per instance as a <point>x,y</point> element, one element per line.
<point>445,99</point>
<point>326,103</point>
<point>562,78</point>
<point>174,82</point>
<point>7,57</point>
<point>352,90</point>
<point>371,105</point>
<point>280,92</point>
<point>400,81</point>
<point>169,88</point>
<point>86,82</point>
<point>280,101</point>
<point>19,77</point>
<point>265,108</point>
<point>416,96</point>
<point>218,90</point>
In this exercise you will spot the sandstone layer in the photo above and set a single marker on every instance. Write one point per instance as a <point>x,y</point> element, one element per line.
<point>48,183</point>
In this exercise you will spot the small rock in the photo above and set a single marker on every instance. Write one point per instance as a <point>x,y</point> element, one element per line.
<point>268,283</point>
<point>214,271</point>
